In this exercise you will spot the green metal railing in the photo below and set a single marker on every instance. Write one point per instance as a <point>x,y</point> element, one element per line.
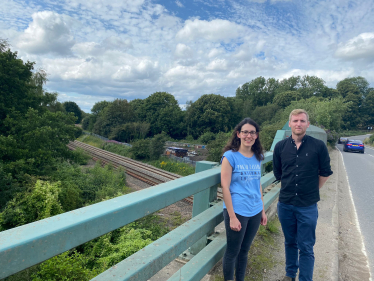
<point>36,242</point>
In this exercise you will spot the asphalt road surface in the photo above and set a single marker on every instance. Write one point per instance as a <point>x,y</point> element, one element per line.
<point>360,171</point>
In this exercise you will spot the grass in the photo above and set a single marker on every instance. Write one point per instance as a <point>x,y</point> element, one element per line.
<point>169,165</point>
<point>260,256</point>
<point>91,140</point>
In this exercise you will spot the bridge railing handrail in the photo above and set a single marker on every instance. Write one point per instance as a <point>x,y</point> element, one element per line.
<point>30,244</point>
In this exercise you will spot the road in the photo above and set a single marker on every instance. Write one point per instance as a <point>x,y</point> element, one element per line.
<point>360,172</point>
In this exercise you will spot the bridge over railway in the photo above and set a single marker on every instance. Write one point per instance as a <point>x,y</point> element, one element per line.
<point>33,243</point>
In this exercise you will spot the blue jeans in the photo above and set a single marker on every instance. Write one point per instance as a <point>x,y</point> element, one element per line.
<point>299,228</point>
<point>238,244</point>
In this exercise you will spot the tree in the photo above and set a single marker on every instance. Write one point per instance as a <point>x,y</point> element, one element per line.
<point>130,131</point>
<point>71,106</point>
<point>264,113</point>
<point>368,109</point>
<point>260,91</point>
<point>352,117</point>
<point>117,113</point>
<point>284,99</point>
<point>33,142</point>
<point>312,86</point>
<point>162,111</point>
<point>356,85</point>
<point>210,113</point>
<point>157,146</point>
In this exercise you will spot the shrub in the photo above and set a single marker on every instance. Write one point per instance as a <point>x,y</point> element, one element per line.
<point>140,149</point>
<point>215,147</point>
<point>206,138</point>
<point>119,149</point>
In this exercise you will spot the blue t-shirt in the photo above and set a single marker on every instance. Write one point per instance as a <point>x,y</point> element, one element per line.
<point>245,184</point>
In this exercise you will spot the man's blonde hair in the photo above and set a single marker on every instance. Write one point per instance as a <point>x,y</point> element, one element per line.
<point>297,112</point>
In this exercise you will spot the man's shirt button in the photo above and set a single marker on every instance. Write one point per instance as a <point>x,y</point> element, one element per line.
<point>296,193</point>
<point>297,165</point>
<point>296,184</point>
<point>297,155</point>
<point>297,175</point>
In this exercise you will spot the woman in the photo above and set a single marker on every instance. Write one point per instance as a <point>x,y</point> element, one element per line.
<point>243,207</point>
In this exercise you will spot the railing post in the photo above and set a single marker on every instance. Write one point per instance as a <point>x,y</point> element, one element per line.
<point>201,202</point>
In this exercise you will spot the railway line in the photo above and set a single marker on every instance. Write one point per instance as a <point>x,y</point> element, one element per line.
<point>141,171</point>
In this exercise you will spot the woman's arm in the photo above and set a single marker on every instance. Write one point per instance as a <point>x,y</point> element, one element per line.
<point>264,218</point>
<point>226,173</point>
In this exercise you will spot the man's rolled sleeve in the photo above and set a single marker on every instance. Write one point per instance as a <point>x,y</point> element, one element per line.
<point>277,164</point>
<point>324,162</point>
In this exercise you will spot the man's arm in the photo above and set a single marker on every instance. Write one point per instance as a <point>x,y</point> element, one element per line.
<point>277,163</point>
<point>322,180</point>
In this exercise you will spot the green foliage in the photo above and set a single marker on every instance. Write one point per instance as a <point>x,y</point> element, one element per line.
<point>267,135</point>
<point>169,165</point>
<point>117,113</point>
<point>35,141</point>
<point>86,122</point>
<point>215,147</point>
<point>8,187</point>
<point>206,137</point>
<point>78,132</point>
<point>140,149</point>
<point>72,107</point>
<point>162,112</point>
<point>369,140</point>
<point>67,266</point>
<point>210,113</point>
<point>117,148</point>
<point>265,113</point>
<point>130,131</point>
<point>40,203</point>
<point>91,140</point>
<point>284,99</point>
<point>156,146</point>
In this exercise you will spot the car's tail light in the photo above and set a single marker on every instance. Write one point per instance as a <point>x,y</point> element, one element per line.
<point>361,145</point>
<point>349,144</point>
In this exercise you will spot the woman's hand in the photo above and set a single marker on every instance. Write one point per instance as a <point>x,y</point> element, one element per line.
<point>264,218</point>
<point>235,224</point>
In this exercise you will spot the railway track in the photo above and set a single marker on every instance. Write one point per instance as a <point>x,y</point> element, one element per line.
<point>141,171</point>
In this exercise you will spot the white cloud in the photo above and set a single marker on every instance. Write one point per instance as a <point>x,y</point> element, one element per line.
<point>215,52</point>
<point>179,4</point>
<point>217,65</point>
<point>215,30</point>
<point>183,51</point>
<point>48,33</point>
<point>359,47</point>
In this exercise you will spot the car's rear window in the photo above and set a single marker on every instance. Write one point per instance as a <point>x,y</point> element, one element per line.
<point>355,141</point>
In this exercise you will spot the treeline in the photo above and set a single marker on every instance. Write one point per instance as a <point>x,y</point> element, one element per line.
<point>40,177</point>
<point>267,101</point>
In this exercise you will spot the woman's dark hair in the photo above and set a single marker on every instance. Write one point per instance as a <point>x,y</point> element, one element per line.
<point>234,142</point>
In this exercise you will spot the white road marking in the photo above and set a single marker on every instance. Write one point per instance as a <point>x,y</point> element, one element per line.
<point>363,249</point>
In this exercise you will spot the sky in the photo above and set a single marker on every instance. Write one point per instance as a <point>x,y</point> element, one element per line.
<point>95,50</point>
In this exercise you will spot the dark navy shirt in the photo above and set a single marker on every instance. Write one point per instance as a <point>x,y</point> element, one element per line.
<point>299,170</point>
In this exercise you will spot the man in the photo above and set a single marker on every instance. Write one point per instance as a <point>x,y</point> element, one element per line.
<point>302,163</point>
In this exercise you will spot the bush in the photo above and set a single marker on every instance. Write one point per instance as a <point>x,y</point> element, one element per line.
<point>119,149</point>
<point>140,149</point>
<point>67,266</point>
<point>206,138</point>
<point>42,202</point>
<point>78,132</point>
<point>215,147</point>
<point>156,147</point>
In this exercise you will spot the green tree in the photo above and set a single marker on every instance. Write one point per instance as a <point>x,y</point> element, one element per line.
<point>284,99</point>
<point>130,131</point>
<point>210,113</point>
<point>368,109</point>
<point>71,106</point>
<point>264,113</point>
<point>42,202</point>
<point>33,142</point>
<point>117,113</point>
<point>260,91</point>
<point>157,146</point>
<point>215,147</point>
<point>162,111</point>
<point>356,85</point>
<point>312,86</point>
<point>353,116</point>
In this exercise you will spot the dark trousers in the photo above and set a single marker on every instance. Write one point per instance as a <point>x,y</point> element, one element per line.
<point>238,244</point>
<point>299,228</point>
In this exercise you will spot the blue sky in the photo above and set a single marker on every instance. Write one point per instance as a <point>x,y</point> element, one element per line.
<point>101,50</point>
